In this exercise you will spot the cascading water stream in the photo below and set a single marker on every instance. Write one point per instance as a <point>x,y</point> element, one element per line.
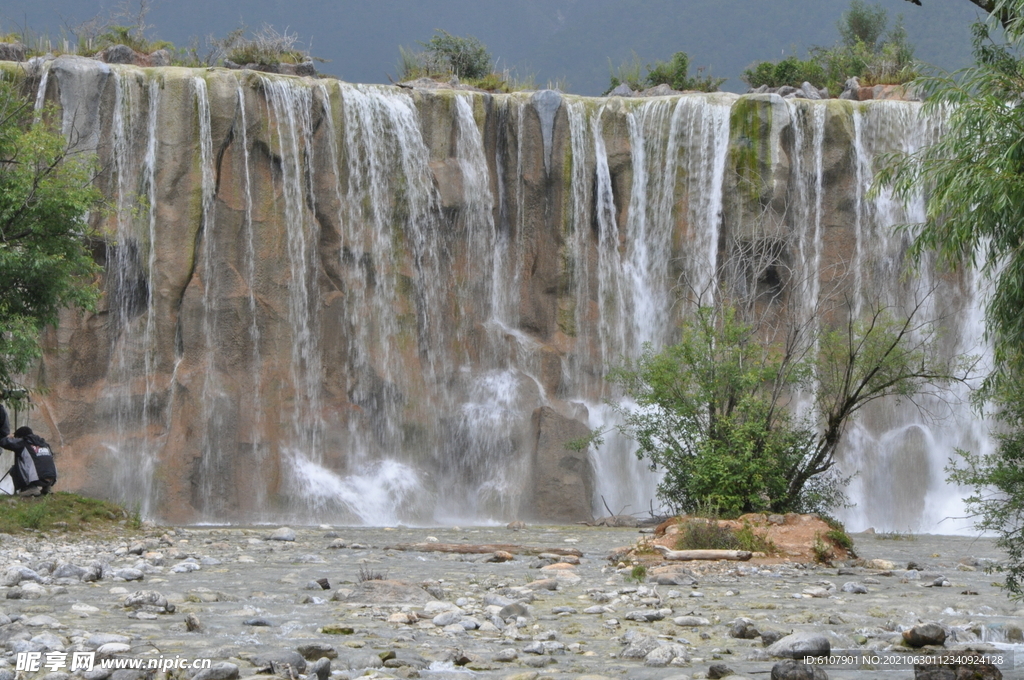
<point>672,140</point>
<point>130,396</point>
<point>380,299</point>
<point>899,451</point>
<point>255,400</point>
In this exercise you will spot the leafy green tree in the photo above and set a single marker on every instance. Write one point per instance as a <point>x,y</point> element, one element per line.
<point>711,411</point>
<point>863,23</point>
<point>975,180</point>
<point>45,194</point>
<point>464,57</point>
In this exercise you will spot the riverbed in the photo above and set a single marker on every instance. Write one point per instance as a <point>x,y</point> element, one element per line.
<point>540,602</point>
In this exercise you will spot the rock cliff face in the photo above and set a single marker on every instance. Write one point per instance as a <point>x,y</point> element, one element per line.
<point>372,304</point>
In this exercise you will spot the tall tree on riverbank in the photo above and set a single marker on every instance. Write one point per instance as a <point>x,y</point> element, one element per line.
<point>45,263</point>
<point>975,179</point>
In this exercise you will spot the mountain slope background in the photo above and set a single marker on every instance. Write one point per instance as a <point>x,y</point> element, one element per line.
<point>570,44</point>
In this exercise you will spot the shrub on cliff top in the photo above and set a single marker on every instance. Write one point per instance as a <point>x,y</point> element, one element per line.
<point>675,73</point>
<point>866,51</point>
<point>266,47</point>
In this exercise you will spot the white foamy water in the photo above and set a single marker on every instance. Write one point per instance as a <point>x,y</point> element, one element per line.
<point>417,337</point>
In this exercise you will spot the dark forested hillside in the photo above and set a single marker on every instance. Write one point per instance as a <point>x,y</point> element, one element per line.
<point>566,42</point>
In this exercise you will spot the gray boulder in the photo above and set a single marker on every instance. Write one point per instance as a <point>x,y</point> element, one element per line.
<point>639,647</point>
<point>791,669</point>
<point>623,90</point>
<point>282,534</point>
<point>120,54</point>
<point>664,655</point>
<point>12,51</point>
<point>744,629</point>
<point>563,480</point>
<point>218,671</point>
<point>797,645</point>
<point>283,663</point>
<point>662,90</point>
<point>321,668</point>
<point>925,634</point>
<point>808,91</point>
<point>148,600</point>
<point>160,58</point>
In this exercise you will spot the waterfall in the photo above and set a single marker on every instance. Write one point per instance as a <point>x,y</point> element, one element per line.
<point>350,303</point>
<point>255,401</point>
<point>131,394</point>
<point>899,451</point>
<point>674,140</point>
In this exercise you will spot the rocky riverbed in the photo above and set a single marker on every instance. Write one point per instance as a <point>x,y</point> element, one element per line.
<point>541,602</point>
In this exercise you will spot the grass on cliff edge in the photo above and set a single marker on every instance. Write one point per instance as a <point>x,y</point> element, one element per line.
<point>62,511</point>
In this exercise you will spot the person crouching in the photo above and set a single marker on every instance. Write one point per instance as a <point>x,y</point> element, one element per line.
<point>34,471</point>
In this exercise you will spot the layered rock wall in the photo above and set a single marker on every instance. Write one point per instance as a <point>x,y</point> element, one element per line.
<point>357,303</point>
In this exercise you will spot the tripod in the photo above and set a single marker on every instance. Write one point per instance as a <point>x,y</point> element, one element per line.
<point>18,398</point>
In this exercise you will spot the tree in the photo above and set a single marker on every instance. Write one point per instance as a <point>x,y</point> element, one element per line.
<point>863,24</point>
<point>711,410</point>
<point>975,178</point>
<point>46,191</point>
<point>463,57</point>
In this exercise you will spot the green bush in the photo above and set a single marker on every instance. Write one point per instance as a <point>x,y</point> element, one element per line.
<point>863,24</point>
<point>466,58</point>
<point>638,573</point>
<point>463,57</point>
<point>866,51</point>
<point>629,72</point>
<point>706,534</point>
<point>754,542</point>
<point>674,73</point>
<point>266,47</point>
<point>790,71</point>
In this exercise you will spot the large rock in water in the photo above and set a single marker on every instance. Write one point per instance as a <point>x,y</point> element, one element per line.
<point>563,480</point>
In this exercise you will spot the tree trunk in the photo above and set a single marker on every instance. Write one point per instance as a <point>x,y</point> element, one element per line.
<point>736,555</point>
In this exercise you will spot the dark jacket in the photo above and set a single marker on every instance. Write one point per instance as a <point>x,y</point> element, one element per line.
<point>33,461</point>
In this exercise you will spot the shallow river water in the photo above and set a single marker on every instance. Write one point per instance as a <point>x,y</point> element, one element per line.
<point>252,596</point>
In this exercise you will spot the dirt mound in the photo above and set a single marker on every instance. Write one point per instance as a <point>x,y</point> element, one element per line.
<point>794,537</point>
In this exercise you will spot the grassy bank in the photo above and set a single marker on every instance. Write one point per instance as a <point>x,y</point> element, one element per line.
<point>63,512</point>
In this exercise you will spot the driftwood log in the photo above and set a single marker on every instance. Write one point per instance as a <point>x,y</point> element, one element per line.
<point>737,555</point>
<point>470,549</point>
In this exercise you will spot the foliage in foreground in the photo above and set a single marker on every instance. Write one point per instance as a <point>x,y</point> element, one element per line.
<point>975,177</point>
<point>711,411</point>
<point>675,73</point>
<point>46,191</point>
<point>61,510</point>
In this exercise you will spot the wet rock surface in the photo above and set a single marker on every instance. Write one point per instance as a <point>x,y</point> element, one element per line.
<point>555,607</point>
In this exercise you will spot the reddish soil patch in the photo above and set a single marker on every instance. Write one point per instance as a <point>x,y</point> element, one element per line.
<point>794,536</point>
